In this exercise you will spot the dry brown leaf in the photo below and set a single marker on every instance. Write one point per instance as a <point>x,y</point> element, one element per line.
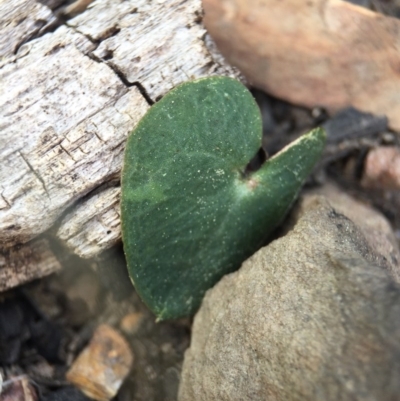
<point>326,53</point>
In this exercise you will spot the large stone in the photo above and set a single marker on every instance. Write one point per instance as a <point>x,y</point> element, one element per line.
<point>315,315</point>
<point>375,227</point>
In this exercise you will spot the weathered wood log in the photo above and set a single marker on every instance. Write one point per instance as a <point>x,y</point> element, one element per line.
<point>68,100</point>
<point>94,224</point>
<point>19,21</point>
<point>26,262</point>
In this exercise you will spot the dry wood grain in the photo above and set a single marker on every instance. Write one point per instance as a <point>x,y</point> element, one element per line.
<point>19,21</point>
<point>63,131</point>
<point>161,47</point>
<point>94,225</point>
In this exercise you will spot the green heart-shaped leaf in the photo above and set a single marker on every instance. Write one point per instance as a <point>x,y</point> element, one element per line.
<point>189,213</point>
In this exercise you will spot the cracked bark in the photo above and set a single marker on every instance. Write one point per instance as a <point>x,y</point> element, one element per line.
<point>26,262</point>
<point>68,101</point>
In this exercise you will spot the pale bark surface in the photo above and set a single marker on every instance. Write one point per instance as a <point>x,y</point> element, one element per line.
<point>94,224</point>
<point>68,100</point>
<point>26,262</point>
<point>19,21</point>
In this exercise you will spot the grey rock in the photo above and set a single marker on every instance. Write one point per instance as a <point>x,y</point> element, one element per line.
<point>351,123</point>
<point>315,315</point>
<point>375,227</point>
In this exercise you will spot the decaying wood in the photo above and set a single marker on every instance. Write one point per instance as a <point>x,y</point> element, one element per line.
<point>76,7</point>
<point>152,42</point>
<point>19,21</point>
<point>26,262</point>
<point>321,53</point>
<point>68,100</point>
<point>94,225</point>
<point>63,128</point>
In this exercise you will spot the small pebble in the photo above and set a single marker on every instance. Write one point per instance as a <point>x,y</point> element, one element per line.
<point>103,365</point>
<point>131,322</point>
<point>388,138</point>
<point>382,168</point>
<point>17,389</point>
